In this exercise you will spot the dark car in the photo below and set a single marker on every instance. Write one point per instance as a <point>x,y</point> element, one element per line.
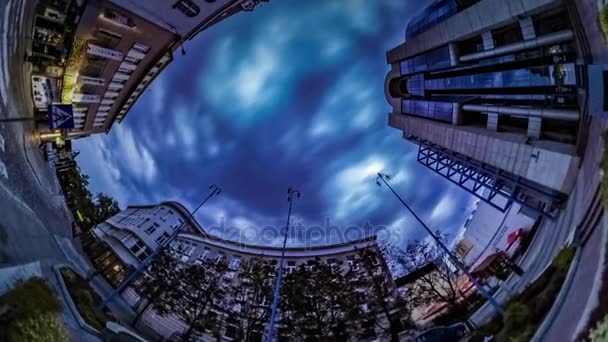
<point>452,333</point>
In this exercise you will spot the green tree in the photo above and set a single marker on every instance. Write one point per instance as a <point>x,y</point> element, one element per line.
<point>200,297</point>
<point>318,302</point>
<point>158,285</point>
<point>250,297</point>
<point>74,185</point>
<point>105,207</point>
<point>382,298</point>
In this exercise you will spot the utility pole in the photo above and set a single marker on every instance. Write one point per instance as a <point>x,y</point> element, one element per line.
<point>214,190</point>
<point>385,178</point>
<point>277,286</point>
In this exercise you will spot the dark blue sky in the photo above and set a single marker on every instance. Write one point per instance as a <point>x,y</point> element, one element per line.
<point>288,95</point>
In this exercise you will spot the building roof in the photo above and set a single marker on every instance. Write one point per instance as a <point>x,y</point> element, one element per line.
<point>240,245</point>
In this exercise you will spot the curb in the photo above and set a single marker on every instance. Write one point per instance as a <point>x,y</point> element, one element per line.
<point>559,301</point>
<point>593,300</point>
<point>71,304</point>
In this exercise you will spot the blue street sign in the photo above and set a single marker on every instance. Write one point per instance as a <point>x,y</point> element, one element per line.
<point>61,116</point>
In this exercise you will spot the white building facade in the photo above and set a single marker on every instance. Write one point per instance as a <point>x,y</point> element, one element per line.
<point>486,231</point>
<point>121,243</point>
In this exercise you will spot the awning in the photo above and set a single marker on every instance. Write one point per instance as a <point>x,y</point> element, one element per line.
<point>513,237</point>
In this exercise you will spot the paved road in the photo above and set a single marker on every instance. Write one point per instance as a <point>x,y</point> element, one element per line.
<point>33,216</point>
<point>32,211</point>
<point>551,236</point>
<point>564,326</point>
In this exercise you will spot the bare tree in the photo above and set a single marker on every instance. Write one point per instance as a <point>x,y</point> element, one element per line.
<point>437,285</point>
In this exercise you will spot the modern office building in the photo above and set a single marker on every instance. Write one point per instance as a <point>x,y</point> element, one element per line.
<point>120,46</point>
<point>490,91</point>
<point>122,242</point>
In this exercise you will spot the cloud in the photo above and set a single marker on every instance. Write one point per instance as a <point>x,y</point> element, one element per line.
<point>108,179</point>
<point>159,93</point>
<point>289,95</point>
<point>351,101</point>
<point>353,188</point>
<point>137,157</point>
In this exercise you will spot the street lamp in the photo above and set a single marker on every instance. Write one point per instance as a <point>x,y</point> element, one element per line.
<point>214,190</point>
<point>385,178</point>
<point>277,286</point>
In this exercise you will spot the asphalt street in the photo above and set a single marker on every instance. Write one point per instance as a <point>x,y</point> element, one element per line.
<point>31,211</point>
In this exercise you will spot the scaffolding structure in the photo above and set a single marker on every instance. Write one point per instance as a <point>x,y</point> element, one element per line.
<point>490,184</point>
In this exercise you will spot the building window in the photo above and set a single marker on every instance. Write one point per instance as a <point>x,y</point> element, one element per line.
<point>291,266</point>
<point>141,47</point>
<point>352,262</point>
<point>187,250</point>
<point>107,39</point>
<point>125,70</point>
<point>162,239</point>
<point>143,222</point>
<point>131,60</point>
<point>235,262</point>
<point>119,80</point>
<point>203,256</point>
<point>164,217</point>
<point>140,250</point>
<point>152,228</point>
<point>219,258</point>
<point>118,18</point>
<point>188,7</point>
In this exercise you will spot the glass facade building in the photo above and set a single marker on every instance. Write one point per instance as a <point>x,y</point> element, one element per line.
<point>432,60</point>
<point>435,13</point>
<point>510,84</point>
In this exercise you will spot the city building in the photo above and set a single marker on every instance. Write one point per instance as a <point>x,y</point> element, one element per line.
<point>490,91</point>
<point>121,243</point>
<point>120,46</point>
<point>187,18</point>
<point>51,36</point>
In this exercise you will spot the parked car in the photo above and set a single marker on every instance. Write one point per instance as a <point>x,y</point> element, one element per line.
<point>452,333</point>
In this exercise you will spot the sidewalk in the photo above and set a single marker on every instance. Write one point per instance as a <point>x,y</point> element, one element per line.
<point>76,333</point>
<point>563,326</point>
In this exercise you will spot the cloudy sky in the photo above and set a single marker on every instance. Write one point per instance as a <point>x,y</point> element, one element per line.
<point>288,95</point>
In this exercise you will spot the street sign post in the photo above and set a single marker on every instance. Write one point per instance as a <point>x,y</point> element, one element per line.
<point>61,116</point>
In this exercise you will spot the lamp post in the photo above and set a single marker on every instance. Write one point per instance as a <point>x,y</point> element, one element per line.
<point>385,178</point>
<point>214,190</point>
<point>277,286</point>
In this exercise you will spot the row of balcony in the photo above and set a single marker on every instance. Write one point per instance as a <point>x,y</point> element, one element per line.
<point>119,79</point>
